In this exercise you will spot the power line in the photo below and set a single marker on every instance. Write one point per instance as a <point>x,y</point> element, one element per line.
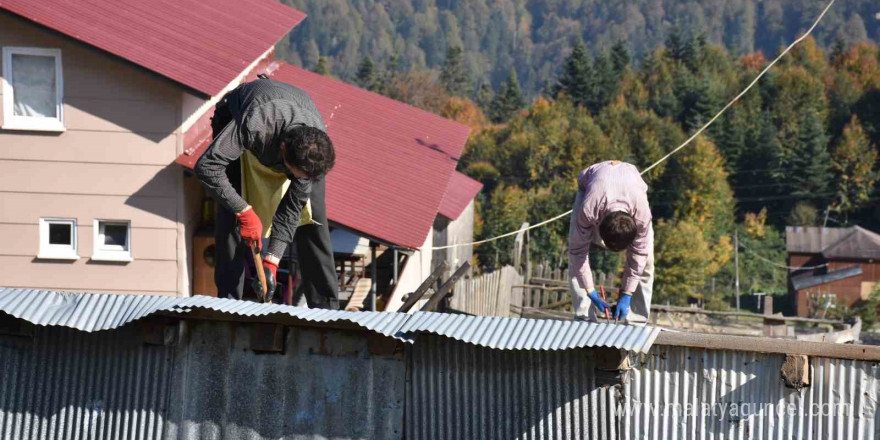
<point>781,266</point>
<point>668,155</point>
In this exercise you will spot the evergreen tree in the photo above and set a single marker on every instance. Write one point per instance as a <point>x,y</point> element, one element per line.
<point>854,162</point>
<point>620,57</point>
<point>575,80</point>
<point>323,67</point>
<point>810,173</point>
<point>454,75</point>
<point>603,86</point>
<point>508,100</point>
<point>484,97</point>
<point>366,74</point>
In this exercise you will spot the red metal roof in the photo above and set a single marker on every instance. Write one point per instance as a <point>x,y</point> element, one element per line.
<point>393,161</point>
<point>203,45</point>
<point>460,191</point>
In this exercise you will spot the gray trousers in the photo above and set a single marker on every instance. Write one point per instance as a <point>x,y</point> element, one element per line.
<point>640,306</point>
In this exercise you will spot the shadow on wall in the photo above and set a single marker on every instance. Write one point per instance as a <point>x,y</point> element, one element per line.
<point>159,195</point>
<point>153,120</point>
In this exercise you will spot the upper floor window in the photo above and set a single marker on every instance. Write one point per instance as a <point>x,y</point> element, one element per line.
<point>32,89</point>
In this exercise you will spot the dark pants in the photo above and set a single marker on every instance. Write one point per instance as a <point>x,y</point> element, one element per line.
<point>318,282</point>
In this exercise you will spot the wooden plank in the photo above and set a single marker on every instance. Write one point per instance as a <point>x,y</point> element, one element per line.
<point>361,290</point>
<point>768,345</point>
<point>446,288</point>
<point>675,309</point>
<point>414,297</point>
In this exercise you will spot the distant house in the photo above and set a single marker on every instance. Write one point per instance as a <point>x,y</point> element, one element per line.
<point>95,114</point>
<point>840,265</point>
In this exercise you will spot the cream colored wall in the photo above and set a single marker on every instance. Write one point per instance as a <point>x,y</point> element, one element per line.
<point>415,270</point>
<point>114,161</point>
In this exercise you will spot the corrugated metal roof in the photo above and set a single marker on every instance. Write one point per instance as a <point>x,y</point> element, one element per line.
<point>95,311</point>
<point>805,281</point>
<point>531,334</point>
<point>202,45</point>
<point>459,192</point>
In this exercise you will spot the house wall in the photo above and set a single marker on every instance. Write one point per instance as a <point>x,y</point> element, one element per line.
<point>448,232</point>
<point>850,290</point>
<point>114,161</point>
<point>416,268</point>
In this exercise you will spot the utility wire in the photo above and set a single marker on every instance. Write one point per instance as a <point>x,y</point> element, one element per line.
<point>781,266</point>
<point>667,156</point>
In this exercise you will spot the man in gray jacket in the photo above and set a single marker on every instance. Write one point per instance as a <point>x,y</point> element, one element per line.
<point>279,125</point>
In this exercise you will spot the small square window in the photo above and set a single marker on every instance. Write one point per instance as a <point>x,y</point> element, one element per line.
<point>112,240</point>
<point>32,89</point>
<point>58,239</point>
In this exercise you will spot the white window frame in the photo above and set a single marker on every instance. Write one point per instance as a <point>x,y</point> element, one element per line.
<point>102,252</point>
<point>31,123</point>
<point>54,251</point>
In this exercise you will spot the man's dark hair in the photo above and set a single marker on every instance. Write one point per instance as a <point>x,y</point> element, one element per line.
<point>618,230</point>
<point>310,149</point>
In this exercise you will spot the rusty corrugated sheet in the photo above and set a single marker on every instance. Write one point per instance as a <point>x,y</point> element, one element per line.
<point>66,384</point>
<point>460,391</point>
<point>688,393</point>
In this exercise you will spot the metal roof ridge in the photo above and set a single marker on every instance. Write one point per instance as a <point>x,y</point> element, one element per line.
<point>91,312</point>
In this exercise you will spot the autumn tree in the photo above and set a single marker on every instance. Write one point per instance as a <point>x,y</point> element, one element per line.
<point>506,211</point>
<point>323,66</point>
<point>855,166</point>
<point>682,257</point>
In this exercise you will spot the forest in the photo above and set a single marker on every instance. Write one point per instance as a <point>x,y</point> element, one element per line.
<point>534,36</point>
<point>800,149</point>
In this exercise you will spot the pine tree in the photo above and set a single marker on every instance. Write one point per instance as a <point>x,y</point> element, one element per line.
<point>810,173</point>
<point>576,76</point>
<point>366,74</point>
<point>454,75</point>
<point>854,163</point>
<point>508,100</point>
<point>323,67</point>
<point>484,97</point>
<point>620,57</point>
<point>603,84</point>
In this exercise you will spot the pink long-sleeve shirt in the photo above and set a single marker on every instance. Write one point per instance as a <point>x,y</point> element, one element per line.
<point>607,187</point>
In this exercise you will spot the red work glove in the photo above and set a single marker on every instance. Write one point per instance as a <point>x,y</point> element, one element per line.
<point>250,226</point>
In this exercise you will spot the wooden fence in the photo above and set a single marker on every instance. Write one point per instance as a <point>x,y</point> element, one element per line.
<point>490,294</point>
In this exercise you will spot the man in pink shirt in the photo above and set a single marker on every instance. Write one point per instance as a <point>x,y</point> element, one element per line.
<point>611,210</point>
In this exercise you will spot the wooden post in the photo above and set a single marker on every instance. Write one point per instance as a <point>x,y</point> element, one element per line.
<point>736,263</point>
<point>371,303</point>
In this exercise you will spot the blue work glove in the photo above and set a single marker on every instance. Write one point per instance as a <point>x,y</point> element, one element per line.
<point>622,308</point>
<point>597,301</point>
